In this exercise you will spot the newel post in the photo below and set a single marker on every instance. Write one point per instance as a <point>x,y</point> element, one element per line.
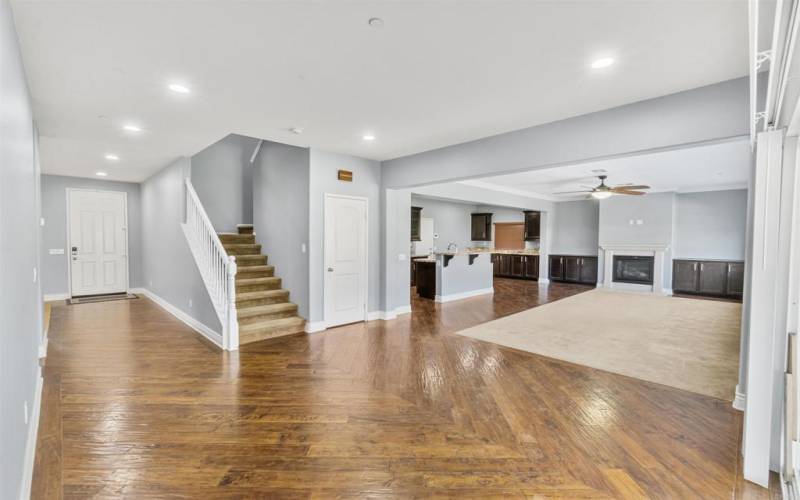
<point>233,322</point>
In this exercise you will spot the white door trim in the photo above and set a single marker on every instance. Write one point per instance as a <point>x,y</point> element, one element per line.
<point>68,248</point>
<point>365,286</point>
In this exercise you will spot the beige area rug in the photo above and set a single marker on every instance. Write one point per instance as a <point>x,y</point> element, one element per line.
<point>690,344</point>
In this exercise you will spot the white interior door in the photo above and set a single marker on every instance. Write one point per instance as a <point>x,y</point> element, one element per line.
<point>345,260</point>
<point>98,242</point>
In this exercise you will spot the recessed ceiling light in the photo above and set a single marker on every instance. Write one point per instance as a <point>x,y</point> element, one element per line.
<point>296,130</point>
<point>112,157</point>
<point>369,137</point>
<point>132,128</point>
<point>100,174</point>
<point>603,62</point>
<point>178,88</point>
<point>375,22</point>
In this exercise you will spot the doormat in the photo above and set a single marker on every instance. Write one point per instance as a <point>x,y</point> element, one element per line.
<point>101,298</point>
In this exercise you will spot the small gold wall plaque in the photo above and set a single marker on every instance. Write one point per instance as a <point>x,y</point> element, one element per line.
<point>345,175</point>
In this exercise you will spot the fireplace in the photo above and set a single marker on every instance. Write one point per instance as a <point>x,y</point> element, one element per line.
<point>636,269</point>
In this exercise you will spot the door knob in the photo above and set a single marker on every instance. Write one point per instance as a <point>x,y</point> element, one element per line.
<point>330,269</point>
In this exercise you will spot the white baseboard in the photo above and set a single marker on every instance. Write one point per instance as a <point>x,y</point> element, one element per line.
<point>740,400</point>
<point>33,433</point>
<point>52,297</point>
<point>214,337</point>
<point>667,292</point>
<point>43,346</point>
<point>464,295</point>
<point>315,326</point>
<point>543,280</point>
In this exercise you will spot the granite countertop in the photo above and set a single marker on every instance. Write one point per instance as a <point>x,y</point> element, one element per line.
<point>473,251</point>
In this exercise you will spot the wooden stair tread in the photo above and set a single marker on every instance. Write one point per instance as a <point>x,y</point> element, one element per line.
<point>248,312</point>
<point>273,324</point>
<point>260,294</point>
<point>256,269</point>
<point>256,281</point>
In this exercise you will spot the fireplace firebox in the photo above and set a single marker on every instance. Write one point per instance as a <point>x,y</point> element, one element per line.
<point>636,269</point>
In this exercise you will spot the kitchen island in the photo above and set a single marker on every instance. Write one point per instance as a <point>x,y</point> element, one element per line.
<point>448,276</point>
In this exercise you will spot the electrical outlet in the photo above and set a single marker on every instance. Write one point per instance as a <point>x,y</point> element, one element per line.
<point>34,275</point>
<point>303,247</point>
<point>190,303</point>
<point>639,222</point>
<point>25,410</point>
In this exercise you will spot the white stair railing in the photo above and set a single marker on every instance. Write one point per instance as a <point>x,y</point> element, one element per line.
<point>217,268</point>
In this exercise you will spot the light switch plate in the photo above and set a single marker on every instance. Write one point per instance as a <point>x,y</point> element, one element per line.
<point>401,256</point>
<point>56,251</point>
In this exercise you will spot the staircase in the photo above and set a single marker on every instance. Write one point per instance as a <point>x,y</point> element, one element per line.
<point>263,309</point>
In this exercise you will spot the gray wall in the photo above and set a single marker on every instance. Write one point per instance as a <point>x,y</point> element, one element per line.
<point>657,213</point>
<point>451,220</point>
<point>711,225</point>
<point>20,295</point>
<point>703,114</point>
<point>281,213</point>
<point>576,227</point>
<point>55,277</point>
<point>169,269</point>
<point>366,183</point>
<point>222,175</point>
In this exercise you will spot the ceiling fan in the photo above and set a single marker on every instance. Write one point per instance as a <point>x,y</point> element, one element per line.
<point>602,191</point>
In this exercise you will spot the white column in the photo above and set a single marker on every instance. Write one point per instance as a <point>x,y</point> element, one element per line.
<point>767,334</point>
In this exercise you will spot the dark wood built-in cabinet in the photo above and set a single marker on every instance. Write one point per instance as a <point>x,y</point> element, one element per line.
<point>533,225</point>
<point>482,227</point>
<point>508,265</point>
<point>426,278</point>
<point>416,218</point>
<point>573,268</point>
<point>716,278</point>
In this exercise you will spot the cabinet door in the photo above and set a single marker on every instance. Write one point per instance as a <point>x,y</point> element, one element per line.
<point>505,265</point>
<point>481,227</point>
<point>572,268</point>
<point>413,273</point>
<point>416,220</point>
<point>713,278</point>
<point>556,267</point>
<point>588,270</point>
<point>496,264</point>
<point>517,266</point>
<point>531,267</point>
<point>684,275</point>
<point>532,225</point>
<point>735,279</point>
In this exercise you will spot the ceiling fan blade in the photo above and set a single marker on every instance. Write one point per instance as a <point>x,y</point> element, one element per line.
<point>633,187</point>
<point>572,192</point>
<point>627,191</point>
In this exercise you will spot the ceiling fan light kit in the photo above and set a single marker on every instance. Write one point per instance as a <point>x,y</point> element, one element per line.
<point>601,192</point>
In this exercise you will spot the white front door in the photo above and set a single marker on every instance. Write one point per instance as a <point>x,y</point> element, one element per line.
<point>98,243</point>
<point>345,260</point>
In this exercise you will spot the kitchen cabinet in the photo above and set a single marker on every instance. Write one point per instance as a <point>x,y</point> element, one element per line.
<point>482,227</point>
<point>516,266</point>
<point>426,279</point>
<point>416,221</point>
<point>735,283</point>
<point>533,225</point>
<point>531,267</point>
<point>573,268</point>
<point>715,278</point>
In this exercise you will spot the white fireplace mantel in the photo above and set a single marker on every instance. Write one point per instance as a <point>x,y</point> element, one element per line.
<point>656,251</point>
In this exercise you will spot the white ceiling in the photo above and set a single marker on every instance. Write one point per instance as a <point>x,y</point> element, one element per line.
<point>704,168</point>
<point>436,73</point>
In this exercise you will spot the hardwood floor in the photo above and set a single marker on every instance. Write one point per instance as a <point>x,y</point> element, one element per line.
<point>136,405</point>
